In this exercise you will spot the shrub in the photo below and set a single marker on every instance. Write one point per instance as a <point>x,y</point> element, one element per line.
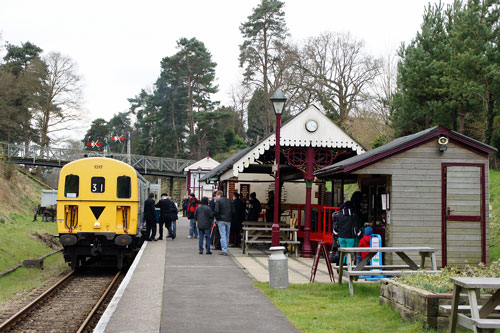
<point>440,283</point>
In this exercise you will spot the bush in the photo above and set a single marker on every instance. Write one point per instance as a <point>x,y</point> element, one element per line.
<point>440,283</point>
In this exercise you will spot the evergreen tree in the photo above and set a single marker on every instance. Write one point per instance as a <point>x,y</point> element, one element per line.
<point>263,33</point>
<point>256,116</point>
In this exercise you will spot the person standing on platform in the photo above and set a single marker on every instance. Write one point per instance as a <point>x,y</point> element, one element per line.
<point>346,226</point>
<point>193,203</point>
<point>254,208</point>
<point>150,217</point>
<point>185,203</point>
<point>174,212</point>
<point>238,218</point>
<point>223,213</point>
<point>165,206</point>
<point>215,235</point>
<point>365,241</point>
<point>270,207</point>
<point>205,217</point>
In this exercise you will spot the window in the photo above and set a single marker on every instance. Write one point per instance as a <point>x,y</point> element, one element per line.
<point>97,185</point>
<point>71,186</point>
<point>123,187</point>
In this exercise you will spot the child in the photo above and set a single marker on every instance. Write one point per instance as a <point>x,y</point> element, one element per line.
<point>365,242</point>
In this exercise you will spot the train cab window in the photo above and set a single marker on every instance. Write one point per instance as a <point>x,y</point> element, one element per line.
<point>71,186</point>
<point>123,187</point>
<point>97,185</point>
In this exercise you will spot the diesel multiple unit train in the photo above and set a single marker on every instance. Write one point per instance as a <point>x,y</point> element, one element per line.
<point>99,209</point>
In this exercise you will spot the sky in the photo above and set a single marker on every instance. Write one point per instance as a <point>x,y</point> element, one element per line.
<point>118,45</point>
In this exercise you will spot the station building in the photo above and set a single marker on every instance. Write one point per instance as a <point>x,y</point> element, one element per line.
<point>309,141</point>
<point>430,188</point>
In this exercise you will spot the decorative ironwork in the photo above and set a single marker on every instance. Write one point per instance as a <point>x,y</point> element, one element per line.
<point>323,157</point>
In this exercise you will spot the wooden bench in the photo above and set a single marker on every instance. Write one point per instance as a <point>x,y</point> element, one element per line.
<point>478,320</point>
<point>363,269</point>
<point>263,235</point>
<point>464,308</point>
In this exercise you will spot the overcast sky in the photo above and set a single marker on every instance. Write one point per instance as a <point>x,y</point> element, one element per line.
<point>118,45</point>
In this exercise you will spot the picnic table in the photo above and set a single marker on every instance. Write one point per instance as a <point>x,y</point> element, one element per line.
<point>255,232</point>
<point>363,269</point>
<point>478,320</point>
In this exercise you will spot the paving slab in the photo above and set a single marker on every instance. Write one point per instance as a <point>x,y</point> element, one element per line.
<point>137,304</point>
<point>211,293</point>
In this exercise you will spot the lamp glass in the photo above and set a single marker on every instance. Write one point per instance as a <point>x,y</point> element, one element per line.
<point>278,106</point>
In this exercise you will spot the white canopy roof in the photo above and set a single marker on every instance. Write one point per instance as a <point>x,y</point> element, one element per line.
<point>295,134</point>
<point>206,163</point>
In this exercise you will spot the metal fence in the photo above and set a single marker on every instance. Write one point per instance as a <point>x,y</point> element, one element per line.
<point>33,153</point>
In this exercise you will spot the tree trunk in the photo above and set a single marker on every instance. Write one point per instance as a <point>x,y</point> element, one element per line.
<point>266,88</point>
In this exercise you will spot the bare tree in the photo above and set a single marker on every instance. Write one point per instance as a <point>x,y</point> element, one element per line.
<point>60,99</point>
<point>340,70</point>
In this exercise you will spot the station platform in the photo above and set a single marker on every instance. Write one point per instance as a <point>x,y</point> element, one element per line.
<point>172,288</point>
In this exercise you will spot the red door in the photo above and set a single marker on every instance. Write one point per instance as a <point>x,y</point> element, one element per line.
<point>463,214</point>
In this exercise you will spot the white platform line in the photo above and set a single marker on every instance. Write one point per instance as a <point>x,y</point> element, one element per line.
<point>106,316</point>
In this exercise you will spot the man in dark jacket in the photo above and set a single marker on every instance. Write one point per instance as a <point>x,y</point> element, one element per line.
<point>192,205</point>
<point>165,206</point>
<point>205,217</point>
<point>238,218</point>
<point>270,207</point>
<point>185,203</point>
<point>223,213</point>
<point>150,217</point>
<point>254,208</point>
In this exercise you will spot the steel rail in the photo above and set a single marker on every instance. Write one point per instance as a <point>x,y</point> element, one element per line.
<point>13,320</point>
<point>98,304</point>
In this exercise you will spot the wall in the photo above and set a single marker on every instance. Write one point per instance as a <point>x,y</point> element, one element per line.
<point>295,192</point>
<point>416,194</point>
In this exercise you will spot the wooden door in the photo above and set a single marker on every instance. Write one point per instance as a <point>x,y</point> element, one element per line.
<point>463,214</point>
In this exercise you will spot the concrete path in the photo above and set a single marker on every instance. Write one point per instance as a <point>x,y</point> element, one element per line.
<point>211,293</point>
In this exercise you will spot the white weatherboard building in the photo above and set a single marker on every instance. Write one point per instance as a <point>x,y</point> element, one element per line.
<point>195,172</point>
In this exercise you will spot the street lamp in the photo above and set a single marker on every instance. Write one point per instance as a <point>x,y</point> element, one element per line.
<point>278,100</point>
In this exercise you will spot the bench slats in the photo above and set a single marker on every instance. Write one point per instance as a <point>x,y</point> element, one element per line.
<point>470,323</point>
<point>463,308</point>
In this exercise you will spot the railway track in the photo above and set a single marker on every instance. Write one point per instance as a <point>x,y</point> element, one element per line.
<point>68,306</point>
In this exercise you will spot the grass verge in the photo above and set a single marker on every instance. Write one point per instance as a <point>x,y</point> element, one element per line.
<point>24,279</point>
<point>17,242</point>
<point>323,307</point>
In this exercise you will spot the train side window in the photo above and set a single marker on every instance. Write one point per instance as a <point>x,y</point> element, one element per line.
<point>97,185</point>
<point>123,187</point>
<point>71,186</point>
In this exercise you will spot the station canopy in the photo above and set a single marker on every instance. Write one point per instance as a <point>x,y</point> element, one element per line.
<point>331,144</point>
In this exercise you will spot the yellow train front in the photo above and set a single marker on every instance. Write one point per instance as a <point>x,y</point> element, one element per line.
<point>99,209</point>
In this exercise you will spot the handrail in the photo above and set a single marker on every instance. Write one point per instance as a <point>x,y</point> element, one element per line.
<point>321,227</point>
<point>62,155</point>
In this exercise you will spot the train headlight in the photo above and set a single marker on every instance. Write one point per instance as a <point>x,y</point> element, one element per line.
<point>97,225</point>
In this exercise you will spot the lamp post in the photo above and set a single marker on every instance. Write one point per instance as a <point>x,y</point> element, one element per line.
<point>278,100</point>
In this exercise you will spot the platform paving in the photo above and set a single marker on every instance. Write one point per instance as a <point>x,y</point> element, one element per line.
<point>212,293</point>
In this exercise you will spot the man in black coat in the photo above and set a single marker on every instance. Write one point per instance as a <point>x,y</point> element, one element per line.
<point>238,218</point>
<point>165,206</point>
<point>223,213</point>
<point>150,217</point>
<point>254,208</point>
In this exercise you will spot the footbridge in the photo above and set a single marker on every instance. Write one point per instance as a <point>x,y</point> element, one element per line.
<point>57,157</point>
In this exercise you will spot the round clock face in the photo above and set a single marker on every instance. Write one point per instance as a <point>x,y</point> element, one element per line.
<point>311,125</point>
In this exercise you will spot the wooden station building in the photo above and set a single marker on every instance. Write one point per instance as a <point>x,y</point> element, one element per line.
<point>426,189</point>
<point>309,141</point>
